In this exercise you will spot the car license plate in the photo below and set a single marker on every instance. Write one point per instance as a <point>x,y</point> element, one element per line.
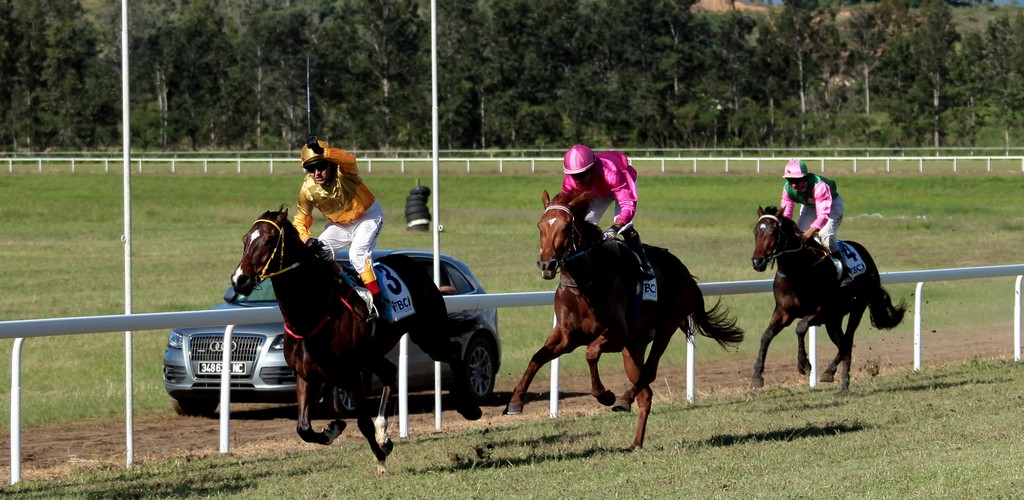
<point>237,368</point>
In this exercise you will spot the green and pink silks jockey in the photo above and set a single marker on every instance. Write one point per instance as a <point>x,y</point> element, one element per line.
<point>609,177</point>
<point>821,207</point>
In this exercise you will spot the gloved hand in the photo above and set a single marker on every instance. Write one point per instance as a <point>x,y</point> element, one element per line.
<point>314,244</point>
<point>806,235</point>
<point>314,145</point>
<point>611,232</point>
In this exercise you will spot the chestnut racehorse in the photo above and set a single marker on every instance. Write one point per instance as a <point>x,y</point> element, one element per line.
<point>807,286</point>
<point>328,341</point>
<point>597,304</point>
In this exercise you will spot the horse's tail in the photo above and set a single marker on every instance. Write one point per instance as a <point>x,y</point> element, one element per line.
<point>716,324</point>
<point>884,315</point>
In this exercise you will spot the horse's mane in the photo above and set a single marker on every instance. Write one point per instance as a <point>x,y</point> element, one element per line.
<point>789,226</point>
<point>281,217</point>
<point>578,202</point>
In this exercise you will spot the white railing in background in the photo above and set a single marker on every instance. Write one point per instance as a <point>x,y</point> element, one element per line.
<point>520,165</point>
<point>22,329</point>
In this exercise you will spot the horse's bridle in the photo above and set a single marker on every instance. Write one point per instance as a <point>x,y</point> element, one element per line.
<point>775,253</point>
<point>281,268</point>
<point>577,239</point>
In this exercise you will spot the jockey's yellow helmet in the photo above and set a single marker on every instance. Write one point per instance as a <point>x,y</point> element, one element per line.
<point>307,155</point>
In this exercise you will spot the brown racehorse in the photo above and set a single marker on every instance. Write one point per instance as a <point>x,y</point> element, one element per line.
<point>807,286</point>
<point>328,341</point>
<point>597,305</point>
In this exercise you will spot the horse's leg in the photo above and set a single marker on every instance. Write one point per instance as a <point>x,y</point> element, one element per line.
<point>597,388</point>
<point>834,327</point>
<point>465,404</point>
<point>646,370</point>
<point>776,325</point>
<point>556,345</point>
<point>367,426</point>
<point>442,349</point>
<point>803,364</point>
<point>305,393</point>
<point>387,372</point>
<point>643,402</point>
<point>380,423</point>
<point>846,349</point>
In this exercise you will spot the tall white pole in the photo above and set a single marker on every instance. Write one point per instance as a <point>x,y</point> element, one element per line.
<point>126,238</point>
<point>437,215</point>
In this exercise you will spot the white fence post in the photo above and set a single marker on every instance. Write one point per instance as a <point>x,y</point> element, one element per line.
<point>917,326</point>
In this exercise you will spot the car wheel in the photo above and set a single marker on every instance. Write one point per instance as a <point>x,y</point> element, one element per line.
<point>341,405</point>
<point>481,361</point>
<point>195,408</point>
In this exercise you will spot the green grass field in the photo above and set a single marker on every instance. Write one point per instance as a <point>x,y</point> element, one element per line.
<point>63,256</point>
<point>943,433</point>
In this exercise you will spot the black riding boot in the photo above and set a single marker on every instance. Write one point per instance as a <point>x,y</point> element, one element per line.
<point>378,306</point>
<point>845,277</point>
<point>632,239</point>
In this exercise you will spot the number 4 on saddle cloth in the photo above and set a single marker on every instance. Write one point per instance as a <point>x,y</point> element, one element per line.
<point>853,260</point>
<point>397,301</point>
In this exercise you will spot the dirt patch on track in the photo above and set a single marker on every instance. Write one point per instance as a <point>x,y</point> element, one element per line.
<point>50,452</point>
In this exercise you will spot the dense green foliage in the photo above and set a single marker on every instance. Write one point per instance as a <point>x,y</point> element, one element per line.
<point>220,74</point>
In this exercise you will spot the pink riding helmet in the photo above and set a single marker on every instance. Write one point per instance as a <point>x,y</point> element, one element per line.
<point>795,169</point>
<point>578,158</point>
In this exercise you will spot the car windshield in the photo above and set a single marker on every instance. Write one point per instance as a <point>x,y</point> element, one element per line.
<point>264,292</point>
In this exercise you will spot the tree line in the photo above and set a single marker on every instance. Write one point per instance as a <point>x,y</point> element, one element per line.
<point>232,74</point>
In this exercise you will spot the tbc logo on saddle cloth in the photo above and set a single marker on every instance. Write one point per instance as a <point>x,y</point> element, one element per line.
<point>398,303</point>
<point>649,289</point>
<point>854,263</point>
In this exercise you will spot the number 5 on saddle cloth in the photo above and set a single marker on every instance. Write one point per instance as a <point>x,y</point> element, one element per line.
<point>397,302</point>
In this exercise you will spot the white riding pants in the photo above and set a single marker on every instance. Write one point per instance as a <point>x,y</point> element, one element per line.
<point>359,235</point>
<point>827,234</point>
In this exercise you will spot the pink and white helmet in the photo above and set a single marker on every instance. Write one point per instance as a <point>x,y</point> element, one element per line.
<point>795,169</point>
<point>578,159</point>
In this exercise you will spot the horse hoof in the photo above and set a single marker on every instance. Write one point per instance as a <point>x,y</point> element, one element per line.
<point>382,468</point>
<point>471,414</point>
<point>607,398</point>
<point>827,378</point>
<point>333,430</point>
<point>381,435</point>
<point>757,383</point>
<point>513,409</point>
<point>622,406</point>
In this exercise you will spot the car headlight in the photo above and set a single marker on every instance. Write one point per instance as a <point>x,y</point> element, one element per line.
<point>278,343</point>
<point>175,341</point>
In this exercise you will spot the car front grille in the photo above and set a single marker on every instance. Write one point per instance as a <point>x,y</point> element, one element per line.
<point>209,349</point>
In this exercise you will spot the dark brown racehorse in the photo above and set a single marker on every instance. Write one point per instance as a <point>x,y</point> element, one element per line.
<point>597,305</point>
<point>328,341</point>
<point>806,286</point>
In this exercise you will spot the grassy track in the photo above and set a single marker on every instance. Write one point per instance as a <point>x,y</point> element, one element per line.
<point>62,256</point>
<point>950,432</point>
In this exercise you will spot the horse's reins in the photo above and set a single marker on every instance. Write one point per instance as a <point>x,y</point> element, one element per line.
<point>775,253</point>
<point>574,250</point>
<point>281,269</point>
